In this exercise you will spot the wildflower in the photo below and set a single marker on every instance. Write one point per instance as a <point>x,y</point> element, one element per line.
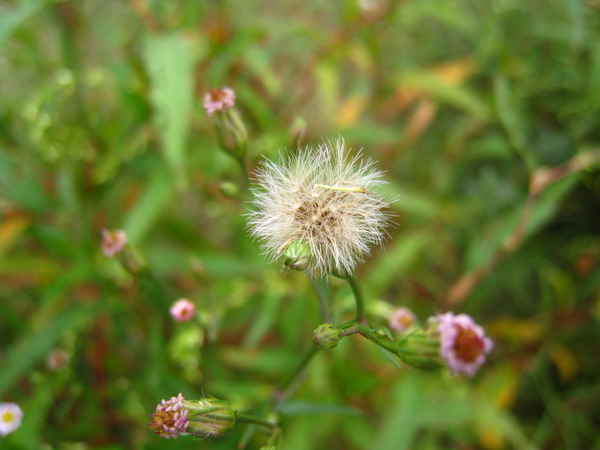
<point>219,100</point>
<point>10,418</point>
<point>58,359</point>
<point>183,310</point>
<point>326,336</point>
<point>463,343</point>
<point>320,199</point>
<point>402,319</point>
<point>207,417</point>
<point>113,241</point>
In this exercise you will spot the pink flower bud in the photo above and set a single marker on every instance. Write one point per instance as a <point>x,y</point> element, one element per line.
<point>113,241</point>
<point>219,100</point>
<point>183,310</point>
<point>402,319</point>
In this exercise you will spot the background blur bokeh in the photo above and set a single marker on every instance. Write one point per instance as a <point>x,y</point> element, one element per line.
<point>466,104</point>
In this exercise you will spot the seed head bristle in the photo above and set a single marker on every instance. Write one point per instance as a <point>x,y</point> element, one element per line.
<point>324,199</point>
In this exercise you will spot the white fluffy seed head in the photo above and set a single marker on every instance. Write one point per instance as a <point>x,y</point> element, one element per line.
<point>324,199</point>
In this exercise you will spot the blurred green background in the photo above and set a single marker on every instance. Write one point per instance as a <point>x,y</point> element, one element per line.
<point>463,103</point>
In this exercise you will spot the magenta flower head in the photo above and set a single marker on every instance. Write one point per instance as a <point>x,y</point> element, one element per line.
<point>219,100</point>
<point>463,343</point>
<point>402,319</point>
<point>183,310</point>
<point>10,418</point>
<point>208,417</point>
<point>113,241</point>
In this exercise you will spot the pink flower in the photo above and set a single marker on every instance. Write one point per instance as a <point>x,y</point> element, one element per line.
<point>183,310</point>
<point>402,319</point>
<point>113,241</point>
<point>170,418</point>
<point>463,343</point>
<point>219,100</point>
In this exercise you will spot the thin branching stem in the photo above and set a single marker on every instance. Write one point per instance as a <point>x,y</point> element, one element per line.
<point>288,386</point>
<point>358,298</point>
<point>323,300</point>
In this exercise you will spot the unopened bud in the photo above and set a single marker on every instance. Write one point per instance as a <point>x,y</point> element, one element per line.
<point>208,417</point>
<point>421,349</point>
<point>297,256</point>
<point>229,189</point>
<point>326,336</point>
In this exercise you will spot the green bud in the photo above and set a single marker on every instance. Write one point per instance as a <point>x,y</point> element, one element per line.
<point>209,417</point>
<point>421,349</point>
<point>297,256</point>
<point>326,336</point>
<point>232,133</point>
<point>229,189</point>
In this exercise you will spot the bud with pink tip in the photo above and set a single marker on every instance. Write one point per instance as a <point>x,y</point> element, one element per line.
<point>219,100</point>
<point>402,319</point>
<point>113,241</point>
<point>183,310</point>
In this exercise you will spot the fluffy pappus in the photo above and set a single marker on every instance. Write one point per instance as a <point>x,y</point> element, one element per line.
<point>324,199</point>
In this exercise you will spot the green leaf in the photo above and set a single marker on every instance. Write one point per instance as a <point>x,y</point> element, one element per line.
<point>404,251</point>
<point>455,95</point>
<point>401,425</point>
<point>291,408</point>
<point>12,19</point>
<point>263,322</point>
<point>492,237</point>
<point>170,60</point>
<point>390,356</point>
<point>156,198</point>
<point>36,345</point>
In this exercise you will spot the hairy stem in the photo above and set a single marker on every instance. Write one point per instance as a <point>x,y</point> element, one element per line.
<point>372,335</point>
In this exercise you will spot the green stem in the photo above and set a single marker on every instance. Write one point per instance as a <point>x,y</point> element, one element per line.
<point>359,299</point>
<point>245,175</point>
<point>323,301</point>
<point>370,334</point>
<point>287,387</point>
<point>245,418</point>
